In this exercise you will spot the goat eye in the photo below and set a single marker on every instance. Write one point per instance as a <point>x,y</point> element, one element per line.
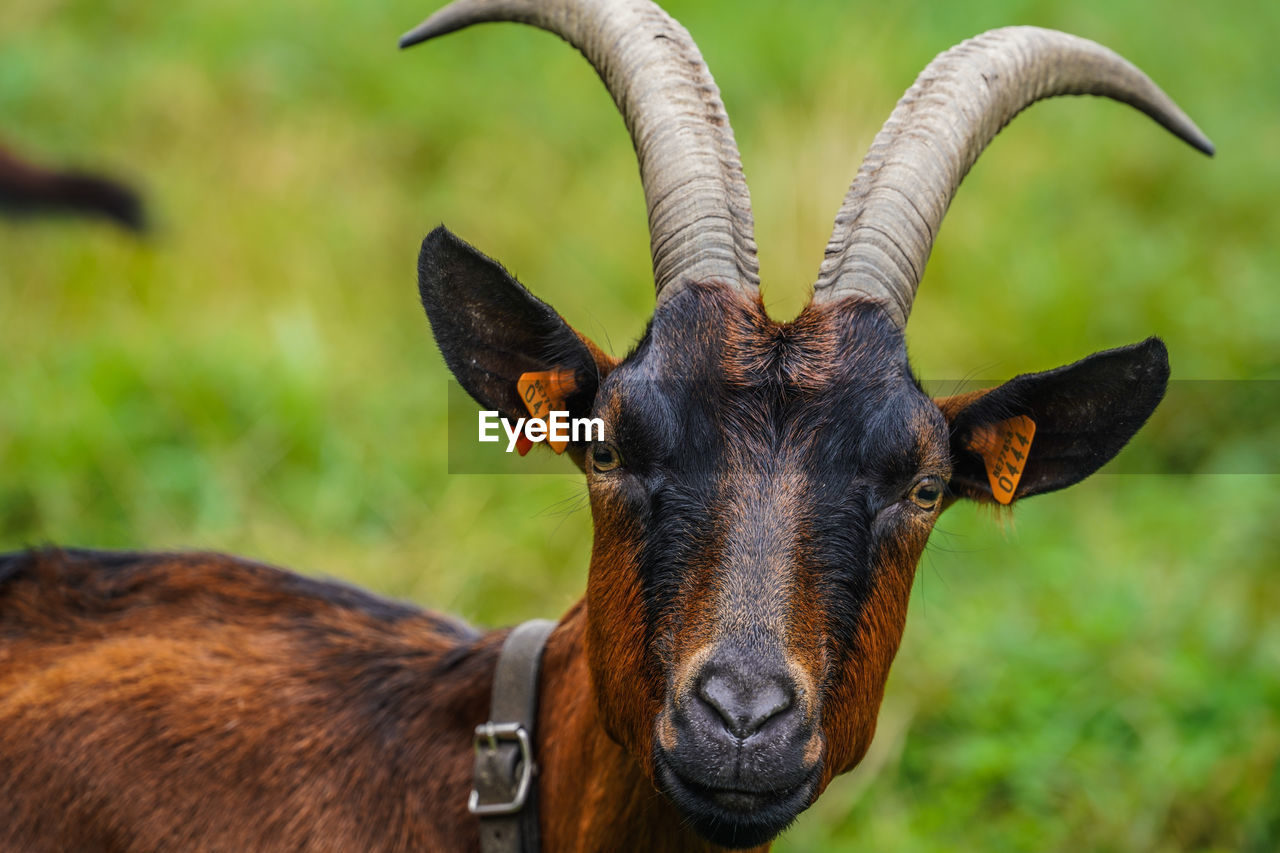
<point>605,457</point>
<point>927,493</point>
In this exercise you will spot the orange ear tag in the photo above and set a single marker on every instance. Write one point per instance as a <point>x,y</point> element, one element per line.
<point>1004,447</point>
<point>544,391</point>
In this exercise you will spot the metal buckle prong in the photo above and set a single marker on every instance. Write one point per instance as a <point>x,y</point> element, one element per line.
<point>487,737</point>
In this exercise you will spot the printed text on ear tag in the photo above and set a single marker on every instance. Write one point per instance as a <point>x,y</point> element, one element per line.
<point>544,391</point>
<point>1004,447</point>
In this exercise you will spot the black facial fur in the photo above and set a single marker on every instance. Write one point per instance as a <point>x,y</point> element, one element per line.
<point>717,399</point>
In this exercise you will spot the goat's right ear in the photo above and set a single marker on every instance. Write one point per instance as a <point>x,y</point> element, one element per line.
<point>491,330</point>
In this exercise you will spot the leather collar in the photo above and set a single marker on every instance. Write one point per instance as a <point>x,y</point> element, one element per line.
<point>505,790</point>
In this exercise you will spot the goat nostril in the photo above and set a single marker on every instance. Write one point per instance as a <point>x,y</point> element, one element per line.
<point>744,706</point>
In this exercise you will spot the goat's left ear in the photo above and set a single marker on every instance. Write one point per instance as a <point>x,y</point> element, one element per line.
<point>491,330</point>
<point>1083,413</point>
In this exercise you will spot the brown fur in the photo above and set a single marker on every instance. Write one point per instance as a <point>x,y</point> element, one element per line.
<point>198,702</point>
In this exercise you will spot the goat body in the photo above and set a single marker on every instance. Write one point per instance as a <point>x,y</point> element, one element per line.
<point>201,702</point>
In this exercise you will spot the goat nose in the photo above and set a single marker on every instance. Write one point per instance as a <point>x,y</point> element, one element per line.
<point>745,705</point>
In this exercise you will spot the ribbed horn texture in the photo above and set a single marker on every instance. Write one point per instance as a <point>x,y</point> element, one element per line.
<point>885,229</point>
<point>700,223</point>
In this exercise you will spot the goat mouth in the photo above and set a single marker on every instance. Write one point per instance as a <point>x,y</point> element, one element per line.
<point>736,817</point>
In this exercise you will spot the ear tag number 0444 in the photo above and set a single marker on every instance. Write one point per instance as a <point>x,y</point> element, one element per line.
<point>543,392</point>
<point>1004,448</point>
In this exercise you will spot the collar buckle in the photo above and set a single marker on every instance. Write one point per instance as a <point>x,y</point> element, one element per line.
<point>490,738</point>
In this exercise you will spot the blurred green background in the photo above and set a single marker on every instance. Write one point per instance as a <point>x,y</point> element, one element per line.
<point>1099,673</point>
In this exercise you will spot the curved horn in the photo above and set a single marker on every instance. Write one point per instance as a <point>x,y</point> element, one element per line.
<point>700,222</point>
<point>885,228</point>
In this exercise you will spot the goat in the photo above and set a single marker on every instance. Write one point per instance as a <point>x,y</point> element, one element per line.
<point>760,501</point>
<point>27,188</point>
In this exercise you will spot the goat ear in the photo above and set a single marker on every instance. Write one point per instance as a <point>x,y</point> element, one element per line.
<point>491,330</point>
<point>1083,413</point>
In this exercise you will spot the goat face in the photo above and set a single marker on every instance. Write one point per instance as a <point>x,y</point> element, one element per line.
<point>766,493</point>
<point>761,498</point>
<point>764,490</point>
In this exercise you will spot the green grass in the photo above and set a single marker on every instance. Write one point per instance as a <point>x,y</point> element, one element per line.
<point>1099,674</point>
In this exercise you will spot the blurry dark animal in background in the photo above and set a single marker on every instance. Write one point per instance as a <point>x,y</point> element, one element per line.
<point>760,503</point>
<point>28,189</point>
